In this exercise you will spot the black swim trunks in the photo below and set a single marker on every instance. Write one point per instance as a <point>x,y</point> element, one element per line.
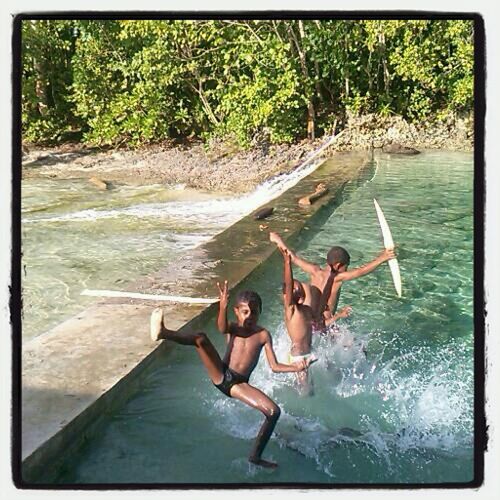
<point>230,378</point>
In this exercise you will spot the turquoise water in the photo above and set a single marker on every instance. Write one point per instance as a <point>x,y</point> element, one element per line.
<point>393,397</point>
<point>76,237</point>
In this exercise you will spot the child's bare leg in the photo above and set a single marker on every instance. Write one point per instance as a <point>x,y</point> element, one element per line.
<point>160,331</point>
<point>305,201</point>
<point>304,383</point>
<point>257,399</point>
<point>207,352</point>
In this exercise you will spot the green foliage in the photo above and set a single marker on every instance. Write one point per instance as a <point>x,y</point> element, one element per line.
<point>47,52</point>
<point>434,66</point>
<point>136,82</point>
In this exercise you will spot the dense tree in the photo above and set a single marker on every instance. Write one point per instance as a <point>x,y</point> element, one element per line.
<point>135,82</point>
<point>47,51</point>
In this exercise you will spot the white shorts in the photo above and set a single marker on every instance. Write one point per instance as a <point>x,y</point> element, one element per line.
<point>300,357</point>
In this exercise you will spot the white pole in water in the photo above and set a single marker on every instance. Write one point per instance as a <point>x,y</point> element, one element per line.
<point>148,296</point>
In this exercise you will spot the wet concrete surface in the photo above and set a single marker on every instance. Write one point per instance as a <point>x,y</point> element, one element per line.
<point>92,363</point>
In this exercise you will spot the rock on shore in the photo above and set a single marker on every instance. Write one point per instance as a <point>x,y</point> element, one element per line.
<point>380,131</point>
<point>220,168</point>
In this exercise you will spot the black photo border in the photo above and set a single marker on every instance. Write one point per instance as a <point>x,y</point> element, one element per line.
<point>15,301</point>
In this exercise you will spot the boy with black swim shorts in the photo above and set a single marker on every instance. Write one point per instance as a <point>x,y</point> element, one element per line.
<point>245,340</point>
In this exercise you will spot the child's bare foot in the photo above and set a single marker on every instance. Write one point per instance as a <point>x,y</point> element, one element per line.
<point>263,463</point>
<point>156,325</point>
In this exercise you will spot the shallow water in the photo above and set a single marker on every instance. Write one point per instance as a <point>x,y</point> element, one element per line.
<point>393,398</point>
<point>76,237</point>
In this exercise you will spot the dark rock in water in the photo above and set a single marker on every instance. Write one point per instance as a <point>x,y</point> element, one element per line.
<point>263,213</point>
<point>396,148</point>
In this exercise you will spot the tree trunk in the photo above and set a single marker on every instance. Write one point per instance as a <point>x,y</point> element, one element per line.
<point>303,64</point>
<point>387,78</point>
<point>40,89</point>
<point>204,101</point>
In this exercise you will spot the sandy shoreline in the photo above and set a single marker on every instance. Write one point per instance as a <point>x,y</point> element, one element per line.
<point>194,166</point>
<point>225,168</point>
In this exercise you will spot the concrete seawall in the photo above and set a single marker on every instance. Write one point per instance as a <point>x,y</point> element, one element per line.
<point>75,374</point>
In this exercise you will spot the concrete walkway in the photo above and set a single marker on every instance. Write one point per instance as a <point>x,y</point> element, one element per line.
<point>90,364</point>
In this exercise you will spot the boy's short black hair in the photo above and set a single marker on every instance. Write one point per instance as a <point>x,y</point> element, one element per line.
<point>249,297</point>
<point>338,254</point>
<point>295,294</point>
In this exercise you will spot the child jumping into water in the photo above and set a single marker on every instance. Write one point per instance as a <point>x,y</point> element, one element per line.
<point>323,290</point>
<point>298,321</point>
<point>245,340</point>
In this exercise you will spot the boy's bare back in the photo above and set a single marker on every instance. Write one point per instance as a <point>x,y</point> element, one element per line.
<point>299,328</point>
<point>323,289</point>
<point>314,290</point>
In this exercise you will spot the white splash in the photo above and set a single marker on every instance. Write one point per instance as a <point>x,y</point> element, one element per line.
<point>419,402</point>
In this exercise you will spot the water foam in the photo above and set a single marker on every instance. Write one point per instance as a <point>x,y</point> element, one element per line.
<point>418,402</point>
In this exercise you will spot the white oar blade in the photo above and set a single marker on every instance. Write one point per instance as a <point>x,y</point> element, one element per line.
<point>396,275</point>
<point>146,296</point>
<point>389,243</point>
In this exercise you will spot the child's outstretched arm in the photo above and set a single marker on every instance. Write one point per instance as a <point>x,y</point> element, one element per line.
<point>333,293</point>
<point>287,280</point>
<point>331,318</point>
<point>277,367</point>
<point>222,324</point>
<point>305,265</point>
<point>384,256</point>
